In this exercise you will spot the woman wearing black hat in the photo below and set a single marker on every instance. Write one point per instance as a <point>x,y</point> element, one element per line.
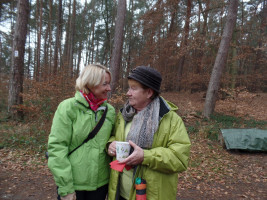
<point>157,136</point>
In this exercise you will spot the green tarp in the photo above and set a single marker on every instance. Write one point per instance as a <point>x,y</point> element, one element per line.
<point>245,139</point>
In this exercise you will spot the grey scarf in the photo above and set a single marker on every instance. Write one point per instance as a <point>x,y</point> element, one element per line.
<point>144,124</point>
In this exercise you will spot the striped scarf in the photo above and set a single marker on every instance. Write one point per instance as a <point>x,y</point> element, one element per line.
<point>144,124</point>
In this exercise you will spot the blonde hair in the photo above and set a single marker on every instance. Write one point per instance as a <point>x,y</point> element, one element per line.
<point>91,76</point>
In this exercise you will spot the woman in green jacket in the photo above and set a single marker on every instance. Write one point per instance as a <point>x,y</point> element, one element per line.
<point>157,136</point>
<point>85,173</point>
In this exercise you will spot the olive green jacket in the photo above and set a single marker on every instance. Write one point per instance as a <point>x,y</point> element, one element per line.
<point>87,168</point>
<point>168,156</point>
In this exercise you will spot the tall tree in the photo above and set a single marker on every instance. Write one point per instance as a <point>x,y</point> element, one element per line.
<point>48,42</point>
<point>66,51</point>
<point>39,13</point>
<point>184,43</point>
<point>201,37</point>
<point>17,66</point>
<point>72,36</point>
<point>81,35</point>
<point>108,17</point>
<point>115,62</point>
<point>220,59</point>
<point>263,27</point>
<point>234,65</point>
<point>58,36</point>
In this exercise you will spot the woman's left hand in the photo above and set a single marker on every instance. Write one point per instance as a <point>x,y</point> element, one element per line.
<point>112,149</point>
<point>136,157</point>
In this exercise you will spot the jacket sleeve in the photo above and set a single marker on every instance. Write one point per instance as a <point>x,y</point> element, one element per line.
<point>58,143</point>
<point>111,139</point>
<point>173,155</point>
<point>114,130</point>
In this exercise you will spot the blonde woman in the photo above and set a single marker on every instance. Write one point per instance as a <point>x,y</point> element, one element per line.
<point>84,174</point>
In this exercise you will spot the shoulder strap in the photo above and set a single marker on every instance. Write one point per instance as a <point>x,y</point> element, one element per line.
<point>93,133</point>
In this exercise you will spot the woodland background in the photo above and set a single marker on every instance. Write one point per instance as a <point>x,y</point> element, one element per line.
<point>63,36</point>
<point>179,38</point>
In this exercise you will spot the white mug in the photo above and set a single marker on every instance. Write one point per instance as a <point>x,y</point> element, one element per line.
<point>122,150</point>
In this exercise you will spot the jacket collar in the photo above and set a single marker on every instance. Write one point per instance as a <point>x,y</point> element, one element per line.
<point>164,107</point>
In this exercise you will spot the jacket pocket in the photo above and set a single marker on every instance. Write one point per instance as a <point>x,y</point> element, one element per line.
<point>84,165</point>
<point>152,183</point>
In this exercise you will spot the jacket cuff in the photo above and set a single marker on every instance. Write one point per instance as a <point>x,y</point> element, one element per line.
<point>147,156</point>
<point>65,190</point>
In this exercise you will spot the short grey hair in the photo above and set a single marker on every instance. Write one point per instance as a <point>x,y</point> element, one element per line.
<point>91,76</point>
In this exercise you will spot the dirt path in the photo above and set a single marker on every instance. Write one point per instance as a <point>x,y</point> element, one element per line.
<point>26,185</point>
<point>245,178</point>
<point>24,177</point>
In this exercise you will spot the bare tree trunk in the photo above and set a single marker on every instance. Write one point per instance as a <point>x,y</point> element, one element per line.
<point>92,47</point>
<point>91,40</point>
<point>66,50</point>
<point>202,38</point>
<point>220,59</point>
<point>79,57</point>
<point>87,56</point>
<point>1,60</point>
<point>234,65</point>
<point>173,24</point>
<point>17,66</point>
<point>72,34</point>
<point>29,58</point>
<point>58,36</point>
<point>50,38</point>
<point>38,50</point>
<point>115,62</point>
<point>47,45</point>
<point>130,44</point>
<point>263,26</point>
<point>46,51</point>
<point>107,38</point>
<point>167,62</point>
<point>184,44</point>
<point>81,45</point>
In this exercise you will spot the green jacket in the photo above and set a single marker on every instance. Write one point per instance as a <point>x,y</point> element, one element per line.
<point>168,156</point>
<point>87,168</point>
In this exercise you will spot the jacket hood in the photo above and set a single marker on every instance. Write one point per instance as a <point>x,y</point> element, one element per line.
<point>166,106</point>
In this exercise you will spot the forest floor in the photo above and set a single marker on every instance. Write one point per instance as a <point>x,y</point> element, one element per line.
<point>213,172</point>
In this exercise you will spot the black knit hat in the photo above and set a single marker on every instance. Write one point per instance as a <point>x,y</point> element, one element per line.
<point>147,76</point>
